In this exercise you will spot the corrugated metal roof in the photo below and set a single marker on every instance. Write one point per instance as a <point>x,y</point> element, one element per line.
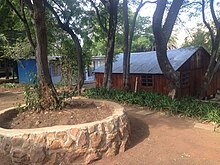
<point>48,57</point>
<point>146,62</point>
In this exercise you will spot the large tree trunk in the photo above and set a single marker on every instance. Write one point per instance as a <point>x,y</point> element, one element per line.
<point>212,69</point>
<point>109,59</point>
<point>173,77</point>
<point>48,94</point>
<point>113,13</point>
<point>215,40</point>
<point>79,64</point>
<point>162,34</point>
<point>126,59</point>
<point>128,41</point>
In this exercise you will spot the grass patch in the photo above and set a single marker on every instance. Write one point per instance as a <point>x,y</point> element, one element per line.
<point>187,106</point>
<point>9,85</point>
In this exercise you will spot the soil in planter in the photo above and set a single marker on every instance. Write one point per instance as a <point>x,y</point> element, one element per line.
<point>73,113</point>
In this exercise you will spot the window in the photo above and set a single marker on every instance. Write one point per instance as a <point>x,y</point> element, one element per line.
<point>147,80</point>
<point>185,79</point>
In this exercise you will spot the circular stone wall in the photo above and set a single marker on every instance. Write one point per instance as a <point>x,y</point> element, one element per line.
<point>66,144</point>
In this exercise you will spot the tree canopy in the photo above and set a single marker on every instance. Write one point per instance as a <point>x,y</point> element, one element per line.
<point>78,30</point>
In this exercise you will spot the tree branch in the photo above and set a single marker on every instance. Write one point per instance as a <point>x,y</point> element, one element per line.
<point>68,19</point>
<point>27,28</point>
<point>158,16</point>
<point>99,17</point>
<point>76,40</point>
<point>147,2</point>
<point>134,21</point>
<point>190,4</point>
<point>24,20</point>
<point>215,19</point>
<point>28,4</point>
<point>60,8</point>
<point>206,23</point>
<point>15,10</point>
<point>62,25</point>
<point>54,13</point>
<point>186,28</point>
<point>106,4</point>
<point>171,18</point>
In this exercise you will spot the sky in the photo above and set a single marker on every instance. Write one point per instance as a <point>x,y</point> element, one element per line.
<point>183,29</point>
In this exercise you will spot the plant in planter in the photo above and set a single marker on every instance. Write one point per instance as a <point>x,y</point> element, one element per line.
<point>68,143</point>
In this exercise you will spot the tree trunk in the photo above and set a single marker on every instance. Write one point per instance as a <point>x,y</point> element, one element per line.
<point>80,72</point>
<point>7,68</point>
<point>48,94</point>
<point>171,75</point>
<point>126,59</point>
<point>80,68</point>
<point>162,34</point>
<point>212,69</point>
<point>128,41</point>
<point>109,59</point>
<point>215,40</point>
<point>113,13</point>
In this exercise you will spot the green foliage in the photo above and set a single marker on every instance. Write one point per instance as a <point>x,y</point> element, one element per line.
<point>3,39</point>
<point>67,50</point>
<point>143,36</point>
<point>200,37</point>
<point>67,94</point>
<point>20,49</point>
<point>141,44</point>
<point>8,85</point>
<point>32,96</point>
<point>187,106</point>
<point>15,43</point>
<point>33,100</point>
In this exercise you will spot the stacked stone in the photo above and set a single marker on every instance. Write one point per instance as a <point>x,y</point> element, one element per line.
<point>68,144</point>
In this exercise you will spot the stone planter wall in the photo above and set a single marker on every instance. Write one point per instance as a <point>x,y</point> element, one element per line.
<point>66,144</point>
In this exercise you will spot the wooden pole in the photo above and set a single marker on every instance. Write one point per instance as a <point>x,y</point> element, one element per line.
<point>136,83</point>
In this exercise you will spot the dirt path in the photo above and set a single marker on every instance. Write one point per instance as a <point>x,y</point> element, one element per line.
<point>166,140</point>
<point>10,99</point>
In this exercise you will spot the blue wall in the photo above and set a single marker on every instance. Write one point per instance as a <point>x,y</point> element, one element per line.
<point>27,70</point>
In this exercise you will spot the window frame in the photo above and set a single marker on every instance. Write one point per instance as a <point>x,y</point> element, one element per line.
<point>147,80</point>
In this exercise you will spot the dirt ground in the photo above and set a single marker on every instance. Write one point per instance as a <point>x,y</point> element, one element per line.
<point>157,139</point>
<point>167,140</point>
<point>71,114</point>
<point>10,99</point>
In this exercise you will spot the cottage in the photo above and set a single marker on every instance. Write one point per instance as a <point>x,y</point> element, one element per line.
<point>27,69</point>
<point>190,62</point>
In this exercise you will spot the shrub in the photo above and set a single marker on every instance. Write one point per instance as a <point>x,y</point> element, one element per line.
<point>8,85</point>
<point>187,106</point>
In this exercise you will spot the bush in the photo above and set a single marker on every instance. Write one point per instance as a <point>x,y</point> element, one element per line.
<point>187,106</point>
<point>9,85</point>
